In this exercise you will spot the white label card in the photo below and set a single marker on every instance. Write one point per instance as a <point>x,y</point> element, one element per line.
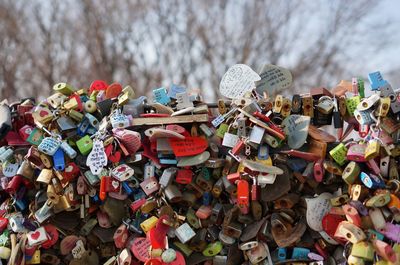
<point>97,158</point>
<point>238,80</point>
<point>273,79</point>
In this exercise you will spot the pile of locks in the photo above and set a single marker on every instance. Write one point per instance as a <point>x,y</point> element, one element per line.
<point>99,176</point>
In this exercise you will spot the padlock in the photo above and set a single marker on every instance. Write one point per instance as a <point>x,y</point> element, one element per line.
<point>257,254</point>
<point>364,117</point>
<point>383,108</point>
<point>377,218</point>
<point>384,250</point>
<point>379,200</point>
<point>286,107</point>
<point>325,105</point>
<point>364,250</point>
<point>308,106</point>
<point>350,232</point>
<point>85,145</point>
<point>372,181</point>
<point>278,104</point>
<point>351,172</point>
<point>372,150</point>
<point>58,160</point>
<point>184,233</point>
<point>339,153</point>
<point>352,103</point>
<point>352,214</point>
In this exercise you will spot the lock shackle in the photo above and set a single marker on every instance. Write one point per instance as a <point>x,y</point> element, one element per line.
<point>323,98</point>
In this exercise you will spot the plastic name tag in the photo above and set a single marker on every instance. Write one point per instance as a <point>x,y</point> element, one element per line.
<point>238,80</point>
<point>273,78</point>
<point>189,146</point>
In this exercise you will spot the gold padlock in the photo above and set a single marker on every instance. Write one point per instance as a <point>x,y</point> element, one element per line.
<point>45,176</point>
<point>278,104</point>
<point>286,107</point>
<point>308,106</point>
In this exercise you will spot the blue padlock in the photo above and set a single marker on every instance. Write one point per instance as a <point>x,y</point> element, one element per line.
<point>139,194</point>
<point>83,127</point>
<point>207,198</point>
<point>300,253</point>
<point>282,254</point>
<point>58,160</point>
<point>297,164</point>
<point>372,181</point>
<point>128,189</point>
<point>21,204</point>
<point>377,81</point>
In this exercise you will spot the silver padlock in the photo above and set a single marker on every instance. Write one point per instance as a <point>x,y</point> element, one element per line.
<point>325,105</point>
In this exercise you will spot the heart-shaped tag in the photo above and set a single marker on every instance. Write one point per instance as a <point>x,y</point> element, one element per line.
<point>238,80</point>
<point>35,235</point>
<point>189,146</point>
<point>43,113</point>
<point>121,169</point>
<point>115,184</point>
<point>273,79</point>
<point>115,157</point>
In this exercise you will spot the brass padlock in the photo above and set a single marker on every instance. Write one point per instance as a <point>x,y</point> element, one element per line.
<point>308,106</point>
<point>278,104</point>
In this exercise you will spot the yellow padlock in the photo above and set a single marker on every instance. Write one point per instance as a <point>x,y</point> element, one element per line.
<point>148,224</point>
<point>372,150</point>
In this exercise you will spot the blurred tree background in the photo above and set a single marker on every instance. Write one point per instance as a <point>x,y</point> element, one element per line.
<point>149,44</point>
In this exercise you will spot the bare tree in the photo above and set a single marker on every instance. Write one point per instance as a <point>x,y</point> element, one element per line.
<point>155,43</point>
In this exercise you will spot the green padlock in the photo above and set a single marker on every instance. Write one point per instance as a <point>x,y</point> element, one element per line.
<point>64,88</point>
<point>351,104</point>
<point>212,249</point>
<point>192,219</point>
<point>379,200</point>
<point>35,137</point>
<point>364,250</point>
<point>339,154</point>
<point>351,172</point>
<point>85,145</point>
<point>184,248</point>
<point>222,129</point>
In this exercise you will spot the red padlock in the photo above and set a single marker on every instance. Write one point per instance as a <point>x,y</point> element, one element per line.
<point>3,224</point>
<point>97,85</point>
<point>184,176</point>
<point>243,195</point>
<point>52,235</point>
<point>14,184</point>
<point>71,172</point>
<point>137,204</point>
<point>25,131</point>
<point>121,236</point>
